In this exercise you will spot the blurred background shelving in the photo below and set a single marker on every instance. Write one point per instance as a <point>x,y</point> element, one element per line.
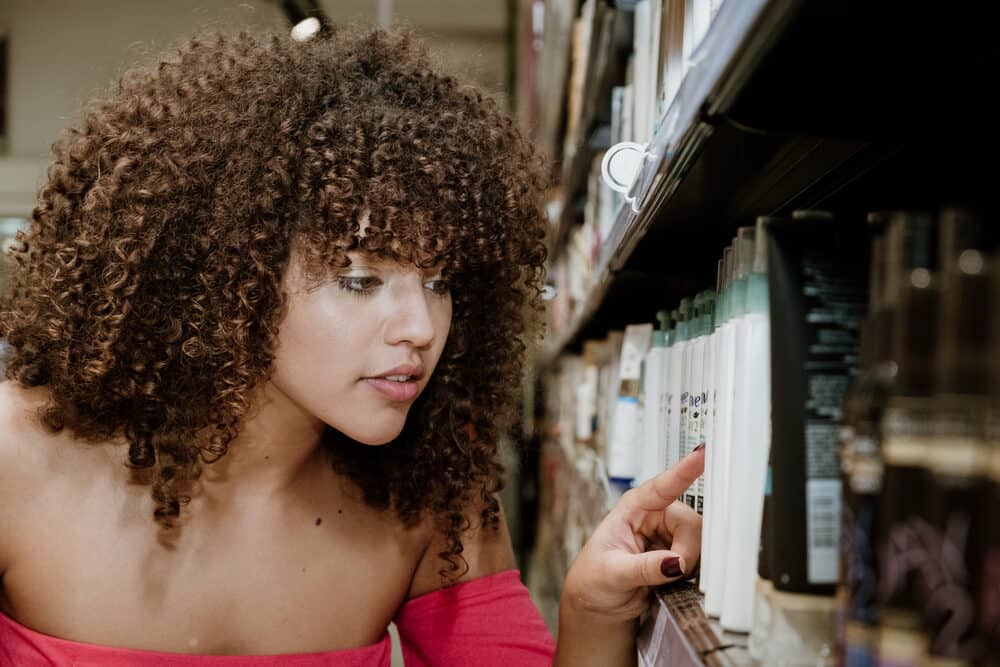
<point>783,105</point>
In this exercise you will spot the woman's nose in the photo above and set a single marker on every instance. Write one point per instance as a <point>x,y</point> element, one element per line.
<point>411,320</point>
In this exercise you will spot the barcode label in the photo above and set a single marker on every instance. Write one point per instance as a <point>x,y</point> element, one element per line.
<point>823,529</point>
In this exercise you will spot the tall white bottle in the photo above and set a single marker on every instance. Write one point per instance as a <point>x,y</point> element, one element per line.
<point>709,428</point>
<point>653,455</point>
<point>673,397</point>
<point>684,335</point>
<point>696,394</point>
<point>724,372</point>
<point>753,418</point>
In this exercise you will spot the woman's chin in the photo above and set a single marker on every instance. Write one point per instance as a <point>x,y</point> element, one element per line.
<point>374,437</point>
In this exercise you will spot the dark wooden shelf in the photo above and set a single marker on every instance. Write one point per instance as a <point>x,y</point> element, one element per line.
<point>678,633</point>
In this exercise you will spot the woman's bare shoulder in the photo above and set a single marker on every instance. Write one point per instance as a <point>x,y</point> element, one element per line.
<point>485,550</point>
<point>23,437</point>
<point>31,454</point>
<point>25,454</point>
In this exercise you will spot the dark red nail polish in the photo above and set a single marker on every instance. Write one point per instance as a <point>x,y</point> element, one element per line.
<point>671,567</point>
<point>701,446</point>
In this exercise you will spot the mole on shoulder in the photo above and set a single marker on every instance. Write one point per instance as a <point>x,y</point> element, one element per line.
<point>319,520</point>
<point>340,511</point>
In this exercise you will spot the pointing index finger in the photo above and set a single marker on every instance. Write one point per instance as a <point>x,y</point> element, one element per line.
<point>657,493</point>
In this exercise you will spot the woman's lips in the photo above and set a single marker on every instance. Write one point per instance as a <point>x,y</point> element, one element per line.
<point>396,391</point>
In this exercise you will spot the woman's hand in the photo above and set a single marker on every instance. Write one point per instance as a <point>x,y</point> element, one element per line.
<point>646,540</point>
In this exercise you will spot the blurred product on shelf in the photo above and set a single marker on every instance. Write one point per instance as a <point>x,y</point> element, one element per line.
<point>817,279</point>
<point>623,452</point>
<point>958,478</point>
<point>938,503</point>
<point>911,286</point>
<point>653,402</point>
<point>861,470</point>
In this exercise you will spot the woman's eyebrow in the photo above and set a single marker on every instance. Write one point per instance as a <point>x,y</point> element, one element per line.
<point>355,265</point>
<point>364,260</point>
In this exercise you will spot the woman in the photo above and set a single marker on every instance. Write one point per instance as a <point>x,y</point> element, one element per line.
<point>265,331</point>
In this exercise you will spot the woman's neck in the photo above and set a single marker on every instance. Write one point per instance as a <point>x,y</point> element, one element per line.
<point>277,449</point>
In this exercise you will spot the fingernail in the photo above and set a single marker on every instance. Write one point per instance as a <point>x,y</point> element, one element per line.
<point>671,566</point>
<point>701,446</point>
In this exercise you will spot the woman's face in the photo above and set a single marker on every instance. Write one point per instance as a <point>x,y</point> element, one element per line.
<point>356,350</point>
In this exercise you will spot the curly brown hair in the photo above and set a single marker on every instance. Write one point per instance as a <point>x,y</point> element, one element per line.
<point>147,291</point>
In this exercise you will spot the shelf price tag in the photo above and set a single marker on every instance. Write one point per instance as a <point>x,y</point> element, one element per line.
<point>621,166</point>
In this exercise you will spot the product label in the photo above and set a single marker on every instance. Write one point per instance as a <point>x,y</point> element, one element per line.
<point>826,393</point>
<point>823,496</point>
<point>683,410</point>
<point>697,403</point>
<point>822,458</point>
<point>634,348</point>
<point>685,445</point>
<point>822,525</point>
<point>835,307</point>
<point>663,408</point>
<point>622,454</point>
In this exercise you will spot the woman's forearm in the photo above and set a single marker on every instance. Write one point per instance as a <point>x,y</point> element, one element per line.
<point>584,641</point>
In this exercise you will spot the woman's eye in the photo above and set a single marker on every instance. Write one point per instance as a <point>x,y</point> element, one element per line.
<point>439,287</point>
<point>359,285</point>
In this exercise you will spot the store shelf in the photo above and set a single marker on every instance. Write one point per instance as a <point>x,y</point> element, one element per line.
<point>740,35</point>
<point>585,313</point>
<point>676,143</point>
<point>737,38</point>
<point>605,26</point>
<point>615,298</point>
<point>677,633</point>
<point>778,114</point>
<point>584,478</point>
<point>713,65</point>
